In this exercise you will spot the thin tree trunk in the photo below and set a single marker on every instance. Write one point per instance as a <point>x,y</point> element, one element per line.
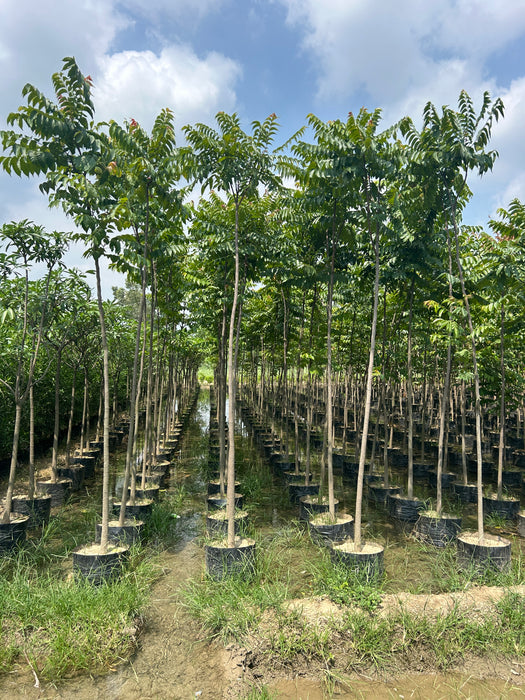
<point>477,405</point>
<point>501,448</point>
<point>368,396</point>
<point>12,469</point>
<point>71,417</point>
<point>56,429</point>
<point>230,494</point>
<point>32,475</point>
<point>105,472</point>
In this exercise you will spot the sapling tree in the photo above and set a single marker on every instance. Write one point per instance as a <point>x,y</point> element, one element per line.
<point>376,159</point>
<point>70,291</point>
<point>59,142</point>
<point>237,164</point>
<point>506,264</point>
<point>327,172</point>
<point>452,145</point>
<point>27,244</point>
<point>148,205</point>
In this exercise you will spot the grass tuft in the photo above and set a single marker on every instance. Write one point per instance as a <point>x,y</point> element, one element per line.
<point>343,586</point>
<point>64,626</point>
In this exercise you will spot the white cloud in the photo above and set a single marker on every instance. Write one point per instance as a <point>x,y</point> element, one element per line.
<point>507,181</point>
<point>36,36</point>
<point>477,27</point>
<point>401,55</point>
<point>138,84</point>
<point>390,49</point>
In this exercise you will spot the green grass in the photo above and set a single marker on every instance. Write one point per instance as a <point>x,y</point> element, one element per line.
<point>63,626</point>
<point>441,642</point>
<point>294,637</point>
<point>343,586</point>
<point>259,693</point>
<point>162,527</point>
<point>232,608</point>
<point>290,566</point>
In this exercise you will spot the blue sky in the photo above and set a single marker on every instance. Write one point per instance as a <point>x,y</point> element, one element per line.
<point>256,57</point>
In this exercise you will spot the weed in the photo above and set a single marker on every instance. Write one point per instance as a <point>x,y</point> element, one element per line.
<point>496,521</point>
<point>295,637</point>
<point>259,693</point>
<point>344,586</point>
<point>161,527</point>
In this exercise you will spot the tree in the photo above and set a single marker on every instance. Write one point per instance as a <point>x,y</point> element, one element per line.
<point>505,271</point>
<point>59,141</point>
<point>452,145</point>
<point>30,244</point>
<point>237,164</point>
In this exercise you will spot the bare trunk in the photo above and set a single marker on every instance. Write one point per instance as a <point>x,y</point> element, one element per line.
<point>56,429</point>
<point>477,405</point>
<point>12,469</point>
<point>105,472</point>
<point>368,397</point>
<point>410,398</point>
<point>71,417</point>
<point>501,449</point>
<point>32,474</point>
<point>230,495</point>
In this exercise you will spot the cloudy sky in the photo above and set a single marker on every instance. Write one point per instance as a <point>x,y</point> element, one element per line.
<point>255,57</point>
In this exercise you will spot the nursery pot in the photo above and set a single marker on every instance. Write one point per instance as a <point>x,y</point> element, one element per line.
<point>156,478</point>
<point>13,533</point>
<point>150,491</point>
<point>504,507</point>
<point>465,493</point>
<point>38,508</point>
<point>511,478</point>
<point>396,457</point>
<point>350,468</point>
<point>325,529</point>
<point>75,473</point>
<point>368,561</point>
<point>420,470</point>
<point>293,478</point>
<point>161,467</point>
<point>216,502</point>
<point>437,530</point>
<point>492,553</point>
<point>217,522</point>
<point>404,508</point>
<point>129,533</point>
<point>310,505</point>
<point>379,493</point>
<point>373,478</point>
<point>214,486</point>
<point>58,490</point>
<point>447,479</point>
<point>95,566</point>
<point>297,491</point>
<point>222,561</point>
<point>86,461</point>
<point>141,509</point>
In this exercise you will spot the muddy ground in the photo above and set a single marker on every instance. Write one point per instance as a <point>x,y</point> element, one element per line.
<point>175,659</point>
